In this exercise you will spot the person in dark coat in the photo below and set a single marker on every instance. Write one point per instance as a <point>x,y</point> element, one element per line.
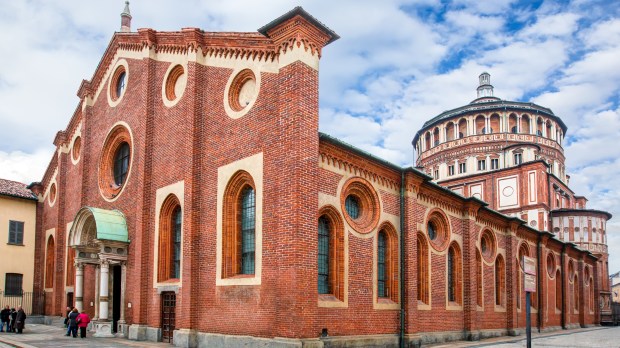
<point>20,319</point>
<point>5,315</point>
<point>13,318</point>
<point>73,323</point>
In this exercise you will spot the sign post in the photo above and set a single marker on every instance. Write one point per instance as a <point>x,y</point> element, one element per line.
<point>529,285</point>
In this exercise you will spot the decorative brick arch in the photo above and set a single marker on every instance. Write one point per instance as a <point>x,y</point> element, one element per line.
<point>454,274</point>
<point>231,223</point>
<point>166,258</point>
<point>336,267</point>
<point>388,232</point>
<point>423,269</point>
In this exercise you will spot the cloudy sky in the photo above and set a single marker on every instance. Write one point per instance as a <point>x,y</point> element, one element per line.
<point>397,64</point>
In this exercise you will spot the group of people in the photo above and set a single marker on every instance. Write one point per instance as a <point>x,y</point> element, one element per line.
<point>13,320</point>
<point>75,320</point>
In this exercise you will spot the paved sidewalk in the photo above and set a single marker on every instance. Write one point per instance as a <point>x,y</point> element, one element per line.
<point>46,336</point>
<point>594,337</point>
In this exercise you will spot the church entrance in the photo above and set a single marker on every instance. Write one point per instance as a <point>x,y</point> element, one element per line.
<point>168,315</point>
<point>116,297</point>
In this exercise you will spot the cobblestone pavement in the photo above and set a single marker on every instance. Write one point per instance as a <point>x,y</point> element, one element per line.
<point>596,337</point>
<point>46,336</point>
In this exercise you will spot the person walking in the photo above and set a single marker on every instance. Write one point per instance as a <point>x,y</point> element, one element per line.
<point>73,323</point>
<point>13,317</point>
<point>20,319</point>
<point>67,317</point>
<point>5,315</point>
<point>82,320</point>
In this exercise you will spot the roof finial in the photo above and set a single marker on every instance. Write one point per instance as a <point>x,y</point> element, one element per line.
<point>126,19</point>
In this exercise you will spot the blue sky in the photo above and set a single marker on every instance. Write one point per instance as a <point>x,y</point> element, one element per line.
<point>397,64</point>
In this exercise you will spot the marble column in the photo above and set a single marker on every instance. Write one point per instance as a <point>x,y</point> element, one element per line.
<point>121,320</point>
<point>79,286</point>
<point>97,275</point>
<point>103,290</point>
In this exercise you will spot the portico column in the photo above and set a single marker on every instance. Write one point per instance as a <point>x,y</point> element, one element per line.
<point>123,286</point>
<point>79,286</point>
<point>103,290</point>
<point>97,275</point>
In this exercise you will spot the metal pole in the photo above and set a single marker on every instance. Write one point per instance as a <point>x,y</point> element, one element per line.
<point>528,320</point>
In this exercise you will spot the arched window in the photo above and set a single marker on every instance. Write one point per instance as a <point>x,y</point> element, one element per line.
<point>494,122</point>
<point>436,136</point>
<point>427,141</point>
<point>558,290</point>
<point>70,281</point>
<point>525,124</point>
<point>170,230</point>
<point>450,131</point>
<point>323,258</point>
<point>238,233</point>
<point>423,274</point>
<point>576,292</point>
<point>121,164</point>
<point>120,84</point>
<point>382,289</point>
<point>49,263</point>
<point>479,284</point>
<point>512,123</point>
<point>500,280</point>
<point>387,263</point>
<point>462,128</point>
<point>330,254</point>
<point>454,273</point>
<point>248,211</point>
<point>480,125</point>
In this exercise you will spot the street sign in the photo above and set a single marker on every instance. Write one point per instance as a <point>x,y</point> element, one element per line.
<point>529,283</point>
<point>529,265</point>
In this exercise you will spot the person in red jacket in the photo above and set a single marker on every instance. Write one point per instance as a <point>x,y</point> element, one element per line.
<point>82,321</point>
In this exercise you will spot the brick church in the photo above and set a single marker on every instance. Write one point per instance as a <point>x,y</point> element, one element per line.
<point>192,200</point>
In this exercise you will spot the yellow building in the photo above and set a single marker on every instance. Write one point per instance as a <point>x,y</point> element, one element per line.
<point>17,242</point>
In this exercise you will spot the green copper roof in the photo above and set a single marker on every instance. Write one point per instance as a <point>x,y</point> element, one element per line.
<point>111,224</point>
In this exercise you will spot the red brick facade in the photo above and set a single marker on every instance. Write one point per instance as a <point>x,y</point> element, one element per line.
<point>272,144</point>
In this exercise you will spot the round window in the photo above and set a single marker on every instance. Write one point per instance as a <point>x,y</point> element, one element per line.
<point>77,147</point>
<point>243,90</point>
<point>52,194</point>
<point>115,162</point>
<point>438,230</point>
<point>361,203</point>
<point>487,245</point>
<point>119,82</point>
<point>175,83</point>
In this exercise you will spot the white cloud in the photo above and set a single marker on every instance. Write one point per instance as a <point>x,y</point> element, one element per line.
<point>24,167</point>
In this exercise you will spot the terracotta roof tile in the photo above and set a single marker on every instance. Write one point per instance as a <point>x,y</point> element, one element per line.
<point>15,189</point>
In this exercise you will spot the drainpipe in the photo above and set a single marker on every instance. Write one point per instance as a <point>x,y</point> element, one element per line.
<point>563,323</point>
<point>401,338</point>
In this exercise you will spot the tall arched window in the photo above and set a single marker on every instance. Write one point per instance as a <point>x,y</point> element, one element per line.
<point>591,295</point>
<point>423,273</point>
<point>525,124</point>
<point>494,123</point>
<point>49,263</point>
<point>500,280</point>
<point>463,128</point>
<point>248,209</point>
<point>576,292</point>
<point>480,125</point>
<point>512,123</point>
<point>387,263</point>
<point>330,254</point>
<point>454,273</point>
<point>323,258</point>
<point>449,131</point>
<point>238,232</point>
<point>170,231</point>
<point>523,251</point>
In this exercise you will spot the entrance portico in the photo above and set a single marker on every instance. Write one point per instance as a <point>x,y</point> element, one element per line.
<point>100,239</point>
